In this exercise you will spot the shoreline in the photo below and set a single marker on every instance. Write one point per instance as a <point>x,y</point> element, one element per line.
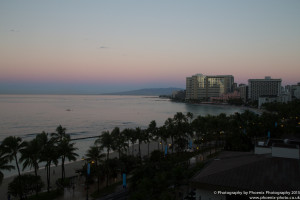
<point>242,107</point>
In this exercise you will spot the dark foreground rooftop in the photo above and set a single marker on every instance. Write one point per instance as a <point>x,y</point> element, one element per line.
<point>246,171</point>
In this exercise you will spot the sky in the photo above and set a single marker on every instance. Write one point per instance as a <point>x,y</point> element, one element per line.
<point>97,46</point>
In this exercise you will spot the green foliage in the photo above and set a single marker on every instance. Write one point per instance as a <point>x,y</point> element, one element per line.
<point>65,182</point>
<point>119,139</point>
<point>48,153</point>
<point>128,163</point>
<point>105,191</point>
<point>238,142</point>
<point>106,140</point>
<point>10,148</point>
<point>25,185</point>
<point>4,165</point>
<point>159,174</point>
<point>30,155</point>
<point>237,102</point>
<point>47,195</point>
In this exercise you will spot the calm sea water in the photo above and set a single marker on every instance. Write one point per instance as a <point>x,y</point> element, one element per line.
<point>89,115</point>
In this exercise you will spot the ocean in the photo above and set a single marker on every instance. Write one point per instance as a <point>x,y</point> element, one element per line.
<point>89,115</point>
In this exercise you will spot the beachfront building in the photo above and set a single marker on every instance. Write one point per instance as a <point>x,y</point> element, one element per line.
<point>263,87</point>
<point>225,97</point>
<point>243,89</point>
<point>294,90</point>
<point>283,98</point>
<point>203,87</point>
<point>178,95</point>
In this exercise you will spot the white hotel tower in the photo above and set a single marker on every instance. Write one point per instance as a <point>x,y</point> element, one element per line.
<point>202,87</point>
<point>263,87</point>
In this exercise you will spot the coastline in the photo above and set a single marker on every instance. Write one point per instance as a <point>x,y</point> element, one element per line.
<point>242,107</point>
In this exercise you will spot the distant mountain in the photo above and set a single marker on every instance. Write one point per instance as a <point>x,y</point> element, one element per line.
<point>147,92</point>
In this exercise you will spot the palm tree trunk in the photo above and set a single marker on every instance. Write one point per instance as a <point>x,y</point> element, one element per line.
<point>98,177</point>
<point>98,183</point>
<point>107,175</point>
<point>35,170</point>
<point>132,148</point>
<point>62,169</point>
<point>107,155</point>
<point>17,165</point>
<point>128,153</point>
<point>140,149</point>
<point>19,178</point>
<point>35,173</point>
<point>172,143</point>
<point>148,148</point>
<point>48,176</point>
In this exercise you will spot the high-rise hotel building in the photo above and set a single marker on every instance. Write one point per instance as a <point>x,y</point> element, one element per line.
<point>263,87</point>
<point>202,87</point>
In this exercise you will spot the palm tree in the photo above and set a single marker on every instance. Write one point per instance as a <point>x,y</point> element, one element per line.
<point>198,126</point>
<point>111,168</point>
<point>151,130</point>
<point>127,132</point>
<point>190,130</point>
<point>132,137</point>
<point>181,127</point>
<point>94,154</point>
<point>189,115</point>
<point>65,148</point>
<point>30,155</point>
<point>163,136</point>
<point>49,153</point>
<point>11,146</point>
<point>66,151</point>
<point>4,165</point>
<point>106,141</point>
<point>60,134</point>
<point>119,140</point>
<point>141,137</point>
<point>169,124</point>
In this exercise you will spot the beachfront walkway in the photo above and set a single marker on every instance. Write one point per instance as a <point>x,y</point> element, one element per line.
<point>79,192</point>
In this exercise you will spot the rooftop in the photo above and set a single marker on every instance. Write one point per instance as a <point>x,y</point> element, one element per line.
<point>247,171</point>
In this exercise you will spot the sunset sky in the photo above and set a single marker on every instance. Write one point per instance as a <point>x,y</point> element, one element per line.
<point>95,46</point>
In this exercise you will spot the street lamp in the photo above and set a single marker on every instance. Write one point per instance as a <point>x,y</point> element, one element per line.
<point>87,180</point>
<point>88,171</point>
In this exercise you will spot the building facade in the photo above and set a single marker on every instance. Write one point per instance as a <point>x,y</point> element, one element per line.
<point>202,87</point>
<point>243,89</point>
<point>263,87</point>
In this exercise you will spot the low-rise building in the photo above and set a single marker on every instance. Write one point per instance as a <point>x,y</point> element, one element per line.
<point>179,95</point>
<point>226,97</point>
